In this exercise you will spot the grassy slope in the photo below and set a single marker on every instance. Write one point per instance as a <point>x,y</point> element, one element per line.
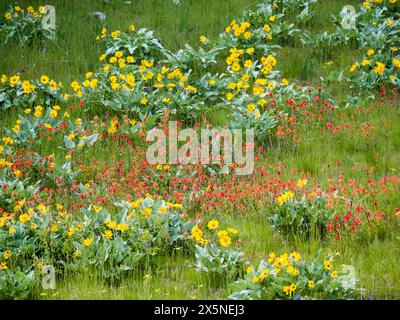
<point>376,262</point>
<point>77,51</point>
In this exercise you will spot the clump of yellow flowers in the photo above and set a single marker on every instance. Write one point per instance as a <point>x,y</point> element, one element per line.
<point>213,235</point>
<point>289,276</point>
<point>284,197</point>
<point>25,24</point>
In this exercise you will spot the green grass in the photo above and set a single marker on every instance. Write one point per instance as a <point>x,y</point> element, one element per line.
<point>76,52</point>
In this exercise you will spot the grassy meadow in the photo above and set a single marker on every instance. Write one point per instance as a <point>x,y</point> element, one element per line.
<point>354,150</point>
